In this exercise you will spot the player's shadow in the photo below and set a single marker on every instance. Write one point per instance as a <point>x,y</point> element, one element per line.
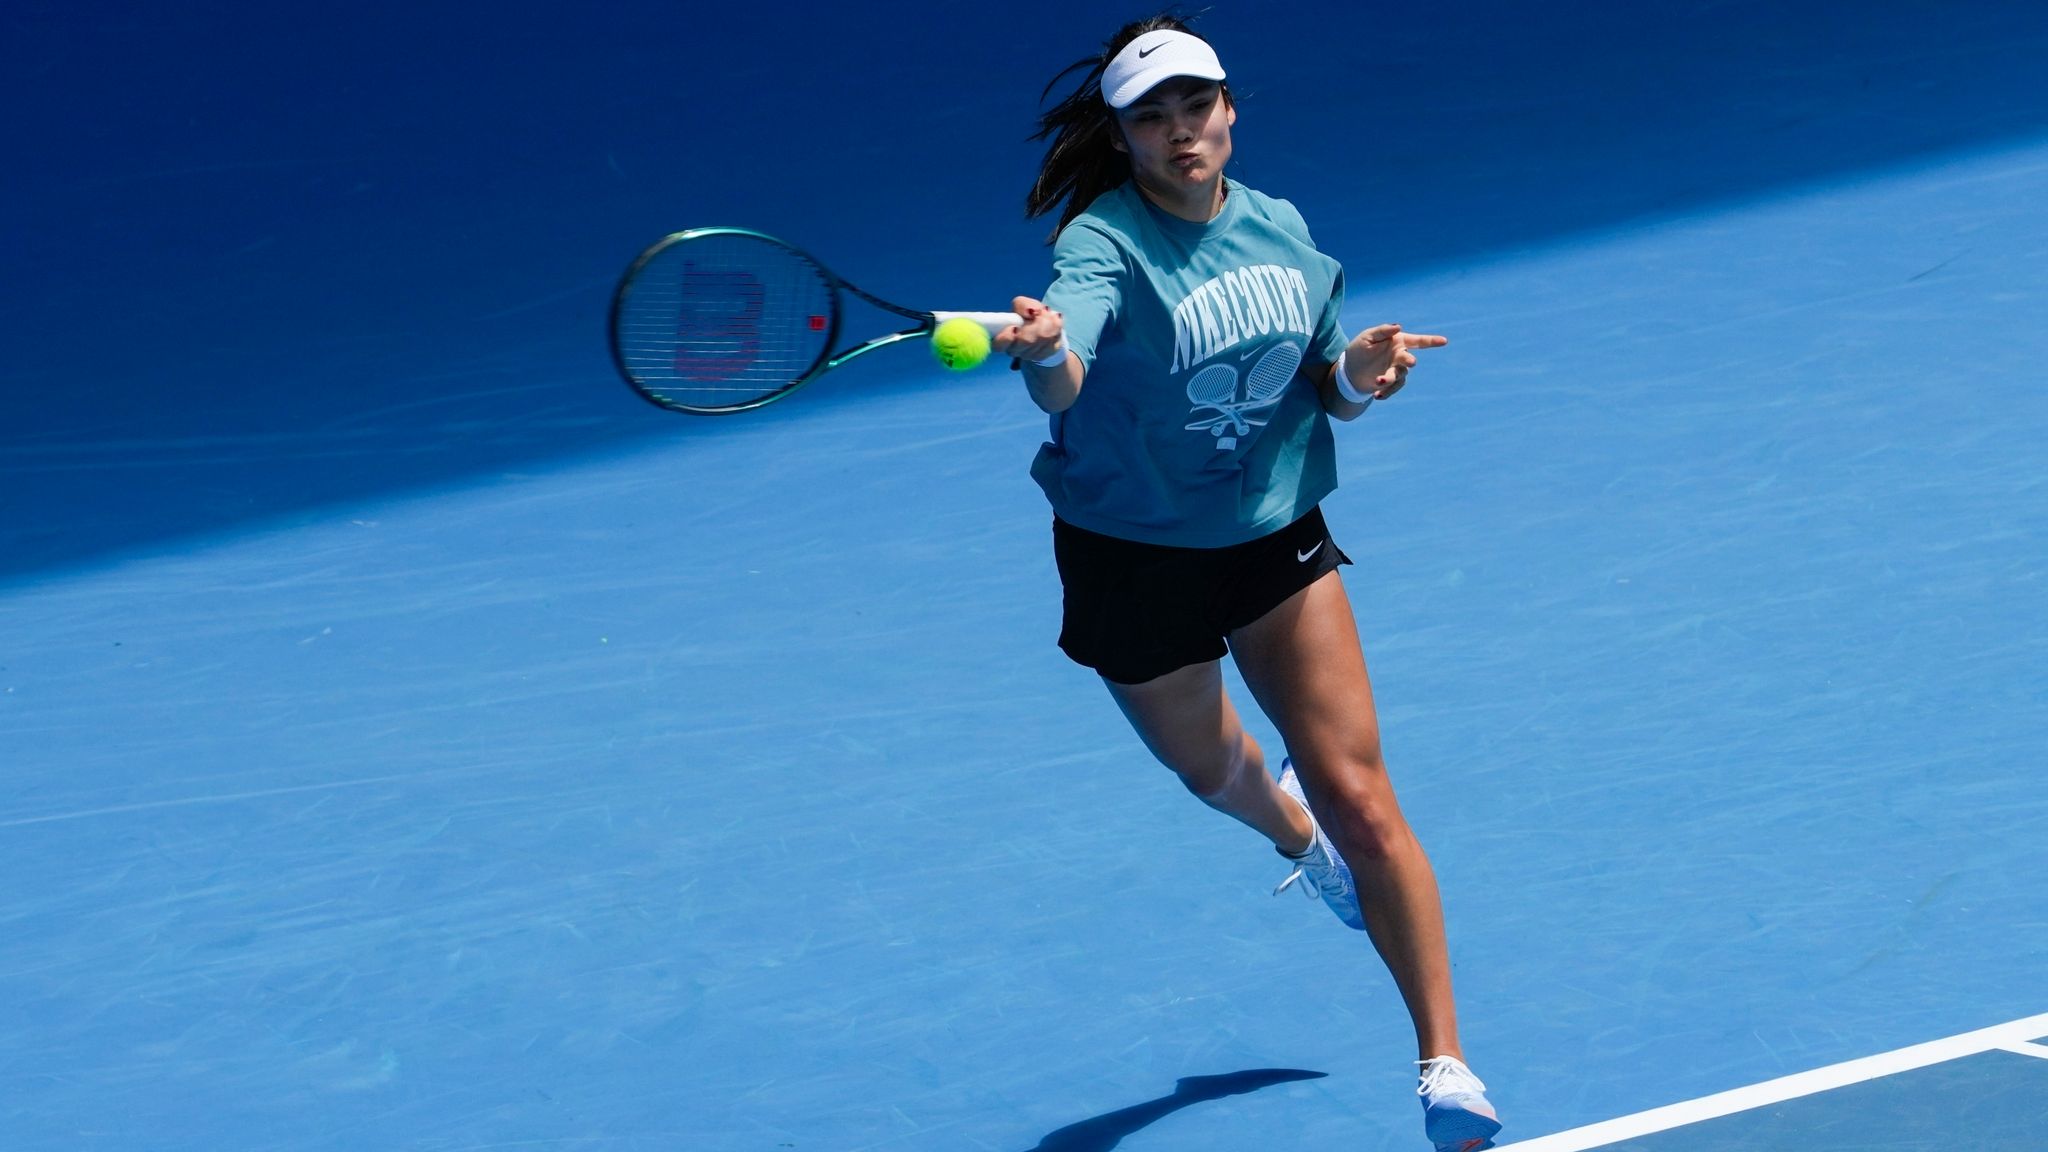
<point>1104,1132</point>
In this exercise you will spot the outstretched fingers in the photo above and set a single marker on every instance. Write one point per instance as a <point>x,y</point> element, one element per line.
<point>1403,357</point>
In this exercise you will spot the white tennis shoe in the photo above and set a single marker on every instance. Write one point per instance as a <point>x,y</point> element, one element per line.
<point>1321,869</point>
<point>1456,1115</point>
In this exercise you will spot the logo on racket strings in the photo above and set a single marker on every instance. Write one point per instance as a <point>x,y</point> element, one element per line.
<point>718,323</point>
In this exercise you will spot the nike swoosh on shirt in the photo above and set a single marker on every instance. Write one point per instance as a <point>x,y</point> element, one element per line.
<point>1302,557</point>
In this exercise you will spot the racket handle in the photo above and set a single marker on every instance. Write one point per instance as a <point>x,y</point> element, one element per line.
<point>993,321</point>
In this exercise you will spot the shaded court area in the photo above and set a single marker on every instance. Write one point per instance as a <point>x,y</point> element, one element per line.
<point>269,262</point>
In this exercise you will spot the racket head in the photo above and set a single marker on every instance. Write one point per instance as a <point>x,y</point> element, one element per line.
<point>1274,371</point>
<point>1214,387</point>
<point>717,320</point>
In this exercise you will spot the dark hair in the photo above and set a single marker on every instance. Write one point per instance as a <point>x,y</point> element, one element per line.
<point>1083,161</point>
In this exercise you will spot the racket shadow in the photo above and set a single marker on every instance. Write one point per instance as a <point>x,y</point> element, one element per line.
<point>1104,1132</point>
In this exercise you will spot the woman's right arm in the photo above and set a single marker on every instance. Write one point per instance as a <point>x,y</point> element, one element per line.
<point>1042,336</point>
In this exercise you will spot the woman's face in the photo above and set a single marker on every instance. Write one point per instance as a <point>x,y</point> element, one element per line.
<point>1178,134</point>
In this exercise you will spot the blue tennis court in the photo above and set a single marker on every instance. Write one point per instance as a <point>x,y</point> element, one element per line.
<point>412,740</point>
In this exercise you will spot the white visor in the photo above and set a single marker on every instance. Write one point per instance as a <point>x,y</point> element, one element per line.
<point>1153,57</point>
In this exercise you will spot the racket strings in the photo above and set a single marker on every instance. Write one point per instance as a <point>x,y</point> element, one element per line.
<point>1271,375</point>
<point>723,321</point>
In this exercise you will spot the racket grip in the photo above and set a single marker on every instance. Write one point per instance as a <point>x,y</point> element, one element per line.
<point>993,321</point>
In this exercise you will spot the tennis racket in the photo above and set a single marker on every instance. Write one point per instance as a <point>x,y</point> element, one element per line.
<point>717,320</point>
<point>1272,374</point>
<point>1215,388</point>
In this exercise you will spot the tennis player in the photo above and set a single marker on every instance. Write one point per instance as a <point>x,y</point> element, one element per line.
<point>1191,355</point>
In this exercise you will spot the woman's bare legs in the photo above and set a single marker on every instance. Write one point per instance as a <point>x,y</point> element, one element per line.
<point>1188,722</point>
<point>1303,664</point>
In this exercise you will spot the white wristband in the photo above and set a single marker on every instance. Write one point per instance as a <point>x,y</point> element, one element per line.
<point>1344,387</point>
<point>1058,357</point>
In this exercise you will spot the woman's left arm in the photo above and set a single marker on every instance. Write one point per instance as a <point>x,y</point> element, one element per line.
<point>1373,367</point>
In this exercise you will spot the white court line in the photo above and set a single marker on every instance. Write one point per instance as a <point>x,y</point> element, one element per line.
<point>2013,1037</point>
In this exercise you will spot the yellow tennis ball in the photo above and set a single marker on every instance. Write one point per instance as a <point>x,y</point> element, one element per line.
<point>960,343</point>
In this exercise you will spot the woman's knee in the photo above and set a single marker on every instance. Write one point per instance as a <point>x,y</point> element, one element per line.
<point>1210,772</point>
<point>1189,725</point>
<point>1355,802</point>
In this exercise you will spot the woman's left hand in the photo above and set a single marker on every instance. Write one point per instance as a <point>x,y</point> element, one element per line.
<point>1379,358</point>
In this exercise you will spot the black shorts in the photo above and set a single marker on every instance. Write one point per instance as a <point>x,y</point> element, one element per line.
<point>1137,611</point>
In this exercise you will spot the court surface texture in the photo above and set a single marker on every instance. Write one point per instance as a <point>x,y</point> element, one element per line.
<point>490,761</point>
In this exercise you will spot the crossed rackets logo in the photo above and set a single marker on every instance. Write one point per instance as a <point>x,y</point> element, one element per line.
<point>1215,389</point>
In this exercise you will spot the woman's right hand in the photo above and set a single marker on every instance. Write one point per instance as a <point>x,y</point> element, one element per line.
<point>1037,338</point>
<point>1041,336</point>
